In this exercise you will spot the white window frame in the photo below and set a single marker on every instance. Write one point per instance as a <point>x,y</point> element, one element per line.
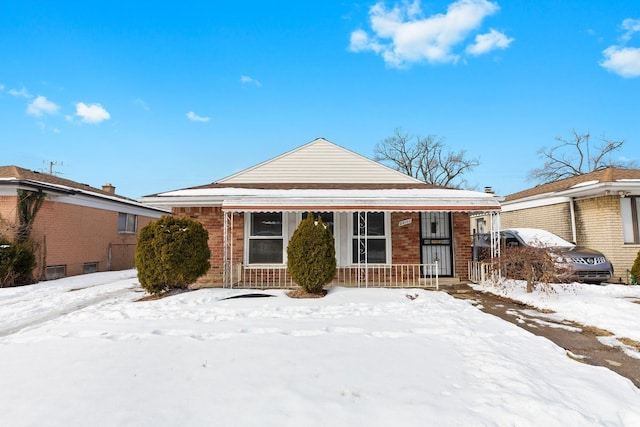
<point>630,215</point>
<point>387,238</point>
<point>248,237</point>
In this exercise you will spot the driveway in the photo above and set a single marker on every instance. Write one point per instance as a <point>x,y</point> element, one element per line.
<point>580,342</point>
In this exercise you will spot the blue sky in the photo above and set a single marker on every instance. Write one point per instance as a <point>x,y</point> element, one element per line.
<point>156,96</point>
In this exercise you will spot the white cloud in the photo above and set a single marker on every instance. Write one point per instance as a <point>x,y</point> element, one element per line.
<point>624,61</point>
<point>620,59</point>
<point>485,43</point>
<point>23,93</point>
<point>403,35</point>
<point>196,118</point>
<point>93,113</point>
<point>1,87</point>
<point>631,26</point>
<point>245,80</point>
<point>40,106</point>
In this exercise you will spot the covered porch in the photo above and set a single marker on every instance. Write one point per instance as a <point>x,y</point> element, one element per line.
<point>383,238</point>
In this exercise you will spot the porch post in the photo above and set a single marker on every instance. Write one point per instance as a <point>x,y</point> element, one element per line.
<point>225,254</point>
<point>495,240</point>
<point>495,234</point>
<point>362,248</point>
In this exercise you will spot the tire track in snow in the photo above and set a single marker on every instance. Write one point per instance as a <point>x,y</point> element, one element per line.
<point>54,314</point>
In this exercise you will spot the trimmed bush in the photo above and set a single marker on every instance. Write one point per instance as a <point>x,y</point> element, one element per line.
<point>311,255</point>
<point>171,253</point>
<point>17,261</point>
<point>635,270</point>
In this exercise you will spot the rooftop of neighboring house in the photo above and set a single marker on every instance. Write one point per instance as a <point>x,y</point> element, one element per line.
<point>603,176</point>
<point>52,183</point>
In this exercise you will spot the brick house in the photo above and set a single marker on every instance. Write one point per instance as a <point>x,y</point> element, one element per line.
<point>390,229</point>
<point>78,229</point>
<point>599,210</point>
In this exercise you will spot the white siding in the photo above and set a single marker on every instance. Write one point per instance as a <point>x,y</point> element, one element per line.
<point>319,161</point>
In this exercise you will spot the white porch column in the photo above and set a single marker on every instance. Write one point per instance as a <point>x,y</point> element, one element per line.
<point>227,250</point>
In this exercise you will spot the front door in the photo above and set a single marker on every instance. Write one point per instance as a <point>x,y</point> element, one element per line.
<point>436,241</point>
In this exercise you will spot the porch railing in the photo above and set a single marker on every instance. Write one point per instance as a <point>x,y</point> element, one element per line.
<point>481,272</point>
<point>375,276</point>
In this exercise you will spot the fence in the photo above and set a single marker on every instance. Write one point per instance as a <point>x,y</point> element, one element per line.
<point>375,276</point>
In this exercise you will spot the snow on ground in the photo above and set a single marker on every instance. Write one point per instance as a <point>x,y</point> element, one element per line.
<point>83,351</point>
<point>615,308</point>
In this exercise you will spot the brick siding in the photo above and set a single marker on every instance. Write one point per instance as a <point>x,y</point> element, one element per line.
<point>73,235</point>
<point>405,240</point>
<point>554,218</point>
<point>598,226</point>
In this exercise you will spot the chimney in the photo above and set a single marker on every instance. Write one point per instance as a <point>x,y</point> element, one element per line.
<point>109,188</point>
<point>488,190</point>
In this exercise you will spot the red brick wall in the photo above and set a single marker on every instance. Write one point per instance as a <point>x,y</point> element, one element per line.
<point>405,240</point>
<point>461,244</point>
<point>212,218</point>
<point>8,216</point>
<point>73,235</point>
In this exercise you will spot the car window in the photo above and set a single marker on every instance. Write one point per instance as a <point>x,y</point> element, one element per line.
<point>510,241</point>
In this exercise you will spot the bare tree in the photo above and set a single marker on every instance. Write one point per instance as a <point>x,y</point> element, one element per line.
<point>425,158</point>
<point>576,156</point>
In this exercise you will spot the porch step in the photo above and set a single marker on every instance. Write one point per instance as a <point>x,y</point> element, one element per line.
<point>457,288</point>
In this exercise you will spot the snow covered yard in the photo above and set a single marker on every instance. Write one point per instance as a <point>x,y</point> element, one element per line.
<point>82,351</point>
<point>614,308</point>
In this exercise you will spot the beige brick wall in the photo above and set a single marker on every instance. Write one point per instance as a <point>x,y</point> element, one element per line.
<point>598,226</point>
<point>554,218</point>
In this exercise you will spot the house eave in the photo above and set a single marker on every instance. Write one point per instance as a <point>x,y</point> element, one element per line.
<point>247,200</point>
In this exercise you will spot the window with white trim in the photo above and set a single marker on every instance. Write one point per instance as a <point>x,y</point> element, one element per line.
<point>630,211</point>
<point>127,223</point>
<point>370,235</point>
<point>265,238</point>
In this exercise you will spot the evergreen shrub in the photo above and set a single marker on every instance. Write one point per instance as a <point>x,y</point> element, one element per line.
<point>311,255</point>
<point>171,253</point>
<point>17,261</point>
<point>635,270</point>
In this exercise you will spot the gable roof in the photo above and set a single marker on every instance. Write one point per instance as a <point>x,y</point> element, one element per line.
<point>609,179</point>
<point>319,161</point>
<point>321,175</point>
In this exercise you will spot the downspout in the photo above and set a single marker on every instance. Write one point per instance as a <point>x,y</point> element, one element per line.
<point>572,211</point>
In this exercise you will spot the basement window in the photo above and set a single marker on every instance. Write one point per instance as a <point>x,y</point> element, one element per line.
<point>89,267</point>
<point>55,272</point>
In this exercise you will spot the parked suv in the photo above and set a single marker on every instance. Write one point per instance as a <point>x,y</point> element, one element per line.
<point>587,265</point>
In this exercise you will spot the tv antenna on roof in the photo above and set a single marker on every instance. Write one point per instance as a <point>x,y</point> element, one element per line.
<point>51,165</point>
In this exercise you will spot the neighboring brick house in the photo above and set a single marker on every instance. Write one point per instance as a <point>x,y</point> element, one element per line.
<point>599,210</point>
<point>389,228</point>
<point>78,229</point>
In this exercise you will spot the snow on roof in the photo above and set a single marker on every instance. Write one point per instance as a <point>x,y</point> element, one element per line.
<point>584,184</point>
<point>246,199</point>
